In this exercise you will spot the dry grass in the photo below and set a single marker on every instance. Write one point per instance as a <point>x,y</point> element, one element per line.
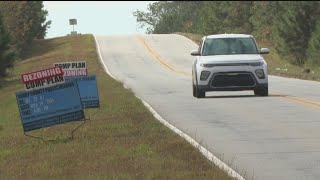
<point>276,65</point>
<point>122,141</point>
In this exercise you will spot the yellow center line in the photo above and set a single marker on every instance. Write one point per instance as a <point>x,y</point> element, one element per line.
<point>167,65</point>
<point>160,59</point>
<point>300,100</point>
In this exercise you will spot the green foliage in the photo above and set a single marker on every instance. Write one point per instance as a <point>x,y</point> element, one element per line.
<point>289,26</point>
<point>153,16</point>
<point>313,51</point>
<point>38,18</point>
<point>263,14</point>
<point>169,16</point>
<point>225,17</point>
<point>25,21</point>
<point>292,29</point>
<point>22,22</point>
<point>169,21</point>
<point>7,56</point>
<point>211,16</point>
<point>188,13</point>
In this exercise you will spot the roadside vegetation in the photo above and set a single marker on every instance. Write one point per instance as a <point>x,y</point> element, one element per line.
<point>122,141</point>
<point>290,29</point>
<point>21,22</point>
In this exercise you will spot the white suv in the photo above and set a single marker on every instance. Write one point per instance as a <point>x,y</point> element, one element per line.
<point>229,62</point>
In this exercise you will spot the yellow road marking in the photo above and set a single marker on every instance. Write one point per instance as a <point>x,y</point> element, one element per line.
<point>159,59</point>
<point>167,65</point>
<point>301,101</point>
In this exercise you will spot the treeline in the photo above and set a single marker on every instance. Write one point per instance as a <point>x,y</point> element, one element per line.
<point>293,27</point>
<point>20,23</point>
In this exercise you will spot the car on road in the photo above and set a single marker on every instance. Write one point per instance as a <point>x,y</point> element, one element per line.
<point>229,62</point>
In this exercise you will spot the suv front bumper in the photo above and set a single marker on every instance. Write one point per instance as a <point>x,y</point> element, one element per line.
<point>233,81</point>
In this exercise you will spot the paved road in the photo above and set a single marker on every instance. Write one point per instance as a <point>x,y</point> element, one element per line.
<point>275,137</point>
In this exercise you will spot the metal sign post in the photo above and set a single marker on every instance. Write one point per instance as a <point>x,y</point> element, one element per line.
<point>73,22</point>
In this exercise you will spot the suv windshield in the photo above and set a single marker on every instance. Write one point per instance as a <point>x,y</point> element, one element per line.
<point>227,46</point>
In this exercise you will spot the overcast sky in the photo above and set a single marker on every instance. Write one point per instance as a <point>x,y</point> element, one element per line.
<point>95,17</point>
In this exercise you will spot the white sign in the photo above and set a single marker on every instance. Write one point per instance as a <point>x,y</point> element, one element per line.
<point>42,78</point>
<point>73,68</point>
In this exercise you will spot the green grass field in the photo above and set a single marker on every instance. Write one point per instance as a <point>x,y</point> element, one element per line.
<point>276,66</point>
<point>122,141</point>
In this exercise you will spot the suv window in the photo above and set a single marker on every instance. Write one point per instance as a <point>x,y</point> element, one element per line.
<point>227,46</point>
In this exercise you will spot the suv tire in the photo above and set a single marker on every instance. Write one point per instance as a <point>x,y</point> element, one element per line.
<point>194,90</point>
<point>200,93</point>
<point>261,91</point>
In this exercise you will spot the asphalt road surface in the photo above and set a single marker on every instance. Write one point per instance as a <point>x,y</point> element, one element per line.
<point>274,137</point>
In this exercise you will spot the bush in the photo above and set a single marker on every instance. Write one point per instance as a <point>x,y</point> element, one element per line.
<point>314,46</point>
<point>7,56</point>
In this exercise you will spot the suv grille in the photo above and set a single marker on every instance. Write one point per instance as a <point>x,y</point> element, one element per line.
<point>233,80</point>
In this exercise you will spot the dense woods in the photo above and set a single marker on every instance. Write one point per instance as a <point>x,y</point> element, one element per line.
<point>20,23</point>
<point>292,27</point>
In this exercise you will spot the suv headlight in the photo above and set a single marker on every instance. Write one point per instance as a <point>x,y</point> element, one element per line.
<point>206,65</point>
<point>256,63</point>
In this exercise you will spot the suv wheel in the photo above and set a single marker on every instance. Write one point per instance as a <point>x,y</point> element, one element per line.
<point>261,91</point>
<point>194,90</point>
<point>200,93</point>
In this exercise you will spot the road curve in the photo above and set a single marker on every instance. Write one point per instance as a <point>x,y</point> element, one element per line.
<point>275,137</point>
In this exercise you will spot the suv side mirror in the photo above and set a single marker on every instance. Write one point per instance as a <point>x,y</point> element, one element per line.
<point>195,53</point>
<point>264,51</point>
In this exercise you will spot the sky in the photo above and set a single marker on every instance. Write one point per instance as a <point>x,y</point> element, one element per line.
<point>94,17</point>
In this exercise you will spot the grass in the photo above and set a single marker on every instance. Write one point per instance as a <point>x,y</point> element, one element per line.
<point>276,65</point>
<point>122,141</point>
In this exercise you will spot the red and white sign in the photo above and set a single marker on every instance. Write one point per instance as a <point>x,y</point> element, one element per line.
<point>73,68</point>
<point>42,78</point>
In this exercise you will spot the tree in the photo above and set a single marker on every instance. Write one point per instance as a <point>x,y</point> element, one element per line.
<point>25,21</point>
<point>169,16</point>
<point>38,17</point>
<point>237,19</point>
<point>153,16</point>
<point>7,56</point>
<point>263,14</point>
<point>313,52</point>
<point>292,29</point>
